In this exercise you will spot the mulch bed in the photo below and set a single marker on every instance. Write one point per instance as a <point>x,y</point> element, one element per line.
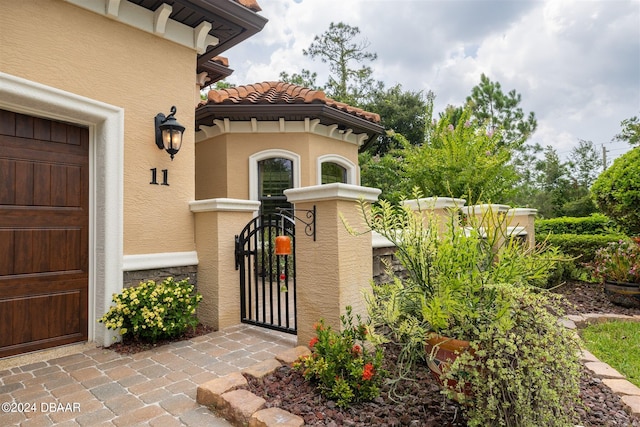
<point>418,402</point>
<point>132,345</point>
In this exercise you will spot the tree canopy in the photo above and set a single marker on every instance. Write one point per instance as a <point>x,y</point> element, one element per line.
<point>350,78</point>
<point>501,112</point>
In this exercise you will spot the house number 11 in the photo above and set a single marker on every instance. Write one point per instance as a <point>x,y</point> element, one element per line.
<point>154,176</point>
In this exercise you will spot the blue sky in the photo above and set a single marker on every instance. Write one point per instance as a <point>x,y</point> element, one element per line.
<point>576,63</point>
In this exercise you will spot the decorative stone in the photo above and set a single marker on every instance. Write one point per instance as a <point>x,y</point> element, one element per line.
<point>239,406</point>
<point>621,387</point>
<point>633,402</point>
<point>263,368</point>
<point>275,417</point>
<point>603,370</point>
<point>210,392</point>
<point>587,356</point>
<point>289,356</point>
<point>567,323</point>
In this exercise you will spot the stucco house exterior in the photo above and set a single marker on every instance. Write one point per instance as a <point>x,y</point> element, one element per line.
<point>89,204</point>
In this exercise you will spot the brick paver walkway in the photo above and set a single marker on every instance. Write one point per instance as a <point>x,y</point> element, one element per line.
<point>99,387</point>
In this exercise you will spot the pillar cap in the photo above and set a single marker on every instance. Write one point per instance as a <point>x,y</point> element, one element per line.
<point>522,211</point>
<point>481,209</point>
<point>334,191</point>
<point>434,203</point>
<point>224,204</point>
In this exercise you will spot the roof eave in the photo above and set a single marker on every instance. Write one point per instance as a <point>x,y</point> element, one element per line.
<point>205,115</point>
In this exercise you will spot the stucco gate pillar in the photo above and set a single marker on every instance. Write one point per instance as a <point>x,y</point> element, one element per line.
<point>442,210</point>
<point>333,271</point>
<point>217,221</point>
<point>523,218</point>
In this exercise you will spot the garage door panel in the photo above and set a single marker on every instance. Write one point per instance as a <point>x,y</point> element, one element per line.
<point>41,184</point>
<point>7,178</point>
<point>41,129</point>
<point>23,183</point>
<point>44,223</point>
<point>6,245</point>
<point>44,250</point>
<point>7,122</point>
<point>24,126</point>
<point>24,285</point>
<point>48,317</point>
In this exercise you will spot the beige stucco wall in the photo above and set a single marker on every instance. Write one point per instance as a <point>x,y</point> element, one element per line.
<point>69,48</point>
<point>222,162</point>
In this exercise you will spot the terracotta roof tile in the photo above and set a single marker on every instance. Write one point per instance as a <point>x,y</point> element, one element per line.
<point>250,4</point>
<point>221,60</point>
<point>283,93</point>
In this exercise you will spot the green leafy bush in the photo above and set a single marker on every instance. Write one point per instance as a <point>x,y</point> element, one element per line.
<point>617,191</point>
<point>582,247</point>
<point>153,311</point>
<point>594,224</point>
<point>524,375</point>
<point>341,364</point>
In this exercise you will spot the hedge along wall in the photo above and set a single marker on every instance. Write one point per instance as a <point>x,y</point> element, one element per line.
<point>594,224</point>
<point>578,237</point>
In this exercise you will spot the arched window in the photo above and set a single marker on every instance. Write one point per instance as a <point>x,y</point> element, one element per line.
<point>333,168</point>
<point>333,172</point>
<point>274,176</point>
<point>270,173</point>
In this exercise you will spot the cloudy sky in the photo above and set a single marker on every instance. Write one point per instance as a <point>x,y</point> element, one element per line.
<point>576,63</point>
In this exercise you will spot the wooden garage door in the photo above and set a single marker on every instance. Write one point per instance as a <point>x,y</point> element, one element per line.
<point>44,219</point>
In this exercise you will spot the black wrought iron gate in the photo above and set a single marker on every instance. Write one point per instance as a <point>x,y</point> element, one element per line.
<point>267,280</point>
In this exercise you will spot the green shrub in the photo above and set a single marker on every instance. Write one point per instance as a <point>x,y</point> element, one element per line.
<point>526,375</point>
<point>581,247</point>
<point>341,364</point>
<point>617,191</point>
<point>153,311</point>
<point>594,224</point>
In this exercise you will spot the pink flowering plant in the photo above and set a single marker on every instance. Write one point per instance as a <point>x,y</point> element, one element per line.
<point>152,311</point>
<point>618,261</point>
<point>341,364</point>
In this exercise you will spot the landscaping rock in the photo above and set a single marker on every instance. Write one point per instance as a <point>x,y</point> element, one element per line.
<point>263,368</point>
<point>275,417</point>
<point>210,392</point>
<point>239,406</point>
<point>287,357</point>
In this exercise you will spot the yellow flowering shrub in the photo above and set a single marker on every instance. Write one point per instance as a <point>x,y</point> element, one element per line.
<point>152,311</point>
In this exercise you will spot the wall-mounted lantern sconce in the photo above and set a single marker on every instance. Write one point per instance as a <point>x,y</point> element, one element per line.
<point>169,132</point>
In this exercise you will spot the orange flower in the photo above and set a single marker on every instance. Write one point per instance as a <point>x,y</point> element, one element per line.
<point>368,372</point>
<point>356,350</point>
<point>313,342</point>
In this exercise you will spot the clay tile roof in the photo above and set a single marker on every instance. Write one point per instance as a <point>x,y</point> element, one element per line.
<point>283,93</point>
<point>250,4</point>
<point>221,60</point>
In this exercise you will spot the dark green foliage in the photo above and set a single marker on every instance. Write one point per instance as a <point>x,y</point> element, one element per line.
<point>630,131</point>
<point>305,79</point>
<point>341,48</point>
<point>594,224</point>
<point>617,191</point>
<point>401,112</point>
<point>582,247</point>
<point>580,207</point>
<point>502,112</point>
<point>384,172</point>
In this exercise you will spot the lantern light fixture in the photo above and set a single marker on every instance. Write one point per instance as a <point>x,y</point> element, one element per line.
<point>283,245</point>
<point>169,132</point>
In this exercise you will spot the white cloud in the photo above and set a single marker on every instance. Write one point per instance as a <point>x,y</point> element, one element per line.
<point>576,63</point>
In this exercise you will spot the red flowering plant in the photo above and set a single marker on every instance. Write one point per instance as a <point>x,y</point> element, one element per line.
<point>343,367</point>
